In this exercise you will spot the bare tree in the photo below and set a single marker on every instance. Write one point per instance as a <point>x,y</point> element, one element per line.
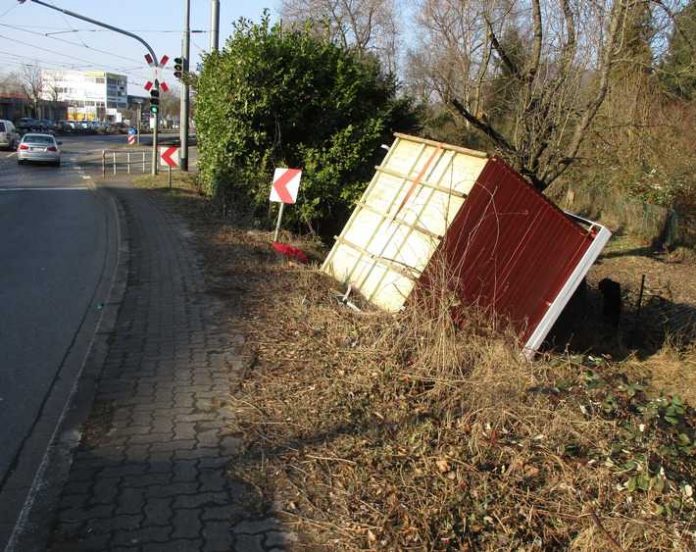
<point>369,26</point>
<point>10,84</point>
<point>50,86</point>
<point>32,83</point>
<point>170,103</point>
<point>530,76</point>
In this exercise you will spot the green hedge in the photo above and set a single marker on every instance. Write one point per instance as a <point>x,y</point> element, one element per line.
<point>275,97</point>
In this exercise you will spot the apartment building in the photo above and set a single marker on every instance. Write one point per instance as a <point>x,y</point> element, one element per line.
<point>90,95</point>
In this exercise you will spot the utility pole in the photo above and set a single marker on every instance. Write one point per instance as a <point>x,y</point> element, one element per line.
<point>127,33</point>
<point>214,25</point>
<point>184,110</point>
<point>140,118</point>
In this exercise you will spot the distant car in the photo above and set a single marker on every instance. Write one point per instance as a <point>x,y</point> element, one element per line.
<point>9,137</point>
<point>47,125</point>
<point>40,148</point>
<point>27,124</point>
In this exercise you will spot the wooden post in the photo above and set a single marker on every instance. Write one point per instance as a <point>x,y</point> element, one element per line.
<point>114,160</point>
<point>280,218</point>
<point>144,169</point>
<point>640,297</point>
<point>128,161</point>
<point>103,163</point>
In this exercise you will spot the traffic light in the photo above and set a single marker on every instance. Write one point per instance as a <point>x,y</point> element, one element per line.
<point>154,101</point>
<point>179,67</point>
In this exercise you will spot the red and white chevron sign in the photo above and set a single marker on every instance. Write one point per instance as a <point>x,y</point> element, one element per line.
<point>286,184</point>
<point>169,157</point>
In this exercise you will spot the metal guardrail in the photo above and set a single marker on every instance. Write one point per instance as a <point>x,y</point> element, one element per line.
<point>131,161</point>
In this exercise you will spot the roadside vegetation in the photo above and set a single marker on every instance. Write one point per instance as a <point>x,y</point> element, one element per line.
<point>280,98</point>
<point>370,431</point>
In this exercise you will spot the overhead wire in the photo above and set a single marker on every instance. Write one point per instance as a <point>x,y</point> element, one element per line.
<point>83,45</point>
<point>3,14</point>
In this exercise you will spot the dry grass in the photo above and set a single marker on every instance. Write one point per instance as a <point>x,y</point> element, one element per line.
<point>409,432</point>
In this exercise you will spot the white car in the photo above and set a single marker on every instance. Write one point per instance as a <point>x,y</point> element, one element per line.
<point>9,137</point>
<point>40,148</point>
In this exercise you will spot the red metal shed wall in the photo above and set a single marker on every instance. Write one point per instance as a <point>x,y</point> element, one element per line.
<point>510,249</point>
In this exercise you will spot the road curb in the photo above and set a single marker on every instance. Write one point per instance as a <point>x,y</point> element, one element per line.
<point>31,531</point>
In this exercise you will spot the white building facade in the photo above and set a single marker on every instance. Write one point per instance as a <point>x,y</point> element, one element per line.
<point>90,95</point>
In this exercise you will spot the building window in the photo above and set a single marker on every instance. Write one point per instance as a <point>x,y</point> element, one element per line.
<point>100,80</point>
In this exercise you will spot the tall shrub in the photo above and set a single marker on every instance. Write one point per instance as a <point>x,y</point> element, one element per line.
<point>275,97</point>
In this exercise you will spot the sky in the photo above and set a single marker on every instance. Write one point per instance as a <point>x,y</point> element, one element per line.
<point>35,35</point>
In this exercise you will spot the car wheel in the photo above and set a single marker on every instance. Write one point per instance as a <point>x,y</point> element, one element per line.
<point>56,164</point>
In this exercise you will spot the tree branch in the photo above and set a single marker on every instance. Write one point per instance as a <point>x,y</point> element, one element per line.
<point>606,64</point>
<point>495,43</point>
<point>497,138</point>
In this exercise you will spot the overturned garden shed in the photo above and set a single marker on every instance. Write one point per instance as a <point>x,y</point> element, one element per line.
<point>508,248</point>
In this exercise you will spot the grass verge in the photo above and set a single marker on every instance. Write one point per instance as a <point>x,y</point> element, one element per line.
<point>371,431</point>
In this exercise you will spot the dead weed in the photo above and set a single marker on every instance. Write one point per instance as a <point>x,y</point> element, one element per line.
<point>409,432</point>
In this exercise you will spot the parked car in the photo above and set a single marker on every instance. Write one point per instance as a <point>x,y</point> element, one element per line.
<point>65,126</point>
<point>47,125</point>
<point>9,137</point>
<point>27,124</point>
<point>41,148</point>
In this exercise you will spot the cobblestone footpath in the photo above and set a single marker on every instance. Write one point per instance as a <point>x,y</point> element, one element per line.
<point>149,473</point>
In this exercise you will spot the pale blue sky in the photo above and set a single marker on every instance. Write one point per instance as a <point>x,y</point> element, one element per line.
<point>23,29</point>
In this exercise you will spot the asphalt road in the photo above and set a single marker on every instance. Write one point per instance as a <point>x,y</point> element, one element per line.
<point>57,255</point>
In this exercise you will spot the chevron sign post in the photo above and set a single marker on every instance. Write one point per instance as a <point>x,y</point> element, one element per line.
<point>286,184</point>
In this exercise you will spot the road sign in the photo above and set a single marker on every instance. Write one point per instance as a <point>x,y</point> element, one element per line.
<point>169,157</point>
<point>131,138</point>
<point>286,183</point>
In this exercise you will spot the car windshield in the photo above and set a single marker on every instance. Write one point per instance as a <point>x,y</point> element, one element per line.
<point>2,127</point>
<point>38,139</point>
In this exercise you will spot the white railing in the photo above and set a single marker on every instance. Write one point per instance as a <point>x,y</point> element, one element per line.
<point>132,161</point>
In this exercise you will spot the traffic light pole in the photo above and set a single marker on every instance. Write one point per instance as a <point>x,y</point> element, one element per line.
<point>184,108</point>
<point>124,32</point>
<point>155,137</point>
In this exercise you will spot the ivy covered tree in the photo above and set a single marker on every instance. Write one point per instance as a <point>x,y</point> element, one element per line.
<point>275,97</point>
<point>679,68</point>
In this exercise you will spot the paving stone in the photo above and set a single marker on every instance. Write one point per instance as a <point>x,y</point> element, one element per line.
<point>201,499</point>
<point>158,511</point>
<point>173,489</point>
<point>186,430</point>
<point>253,527</point>
<point>187,524</point>
<point>150,438</point>
<point>221,513</point>
<point>218,537</point>
<point>179,545</point>
<point>195,453</point>
<point>74,500</point>
<point>249,543</point>
<point>105,491</point>
<point>130,501</point>
<point>123,470</point>
<point>185,471</point>
<point>146,480</point>
<point>95,543</point>
<point>84,514</point>
<point>212,480</point>
<point>141,536</point>
<point>172,446</point>
<point>106,525</point>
